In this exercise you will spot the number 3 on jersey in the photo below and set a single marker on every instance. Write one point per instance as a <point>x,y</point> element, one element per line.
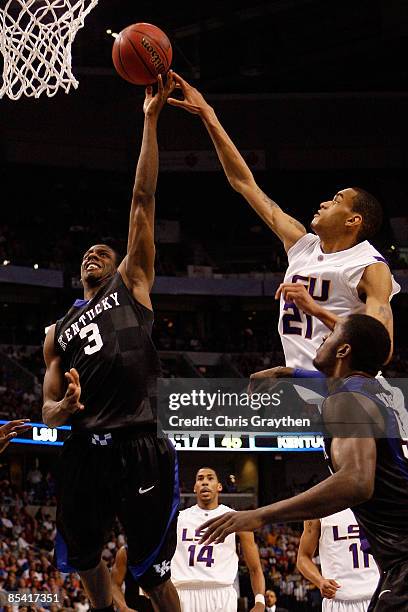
<point>95,343</point>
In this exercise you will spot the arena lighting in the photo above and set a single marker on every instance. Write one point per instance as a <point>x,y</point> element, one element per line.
<point>113,34</point>
<point>6,262</point>
<point>35,266</point>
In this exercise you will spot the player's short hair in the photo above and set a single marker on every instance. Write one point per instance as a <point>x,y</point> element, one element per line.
<point>207,467</point>
<point>369,340</point>
<point>371,211</point>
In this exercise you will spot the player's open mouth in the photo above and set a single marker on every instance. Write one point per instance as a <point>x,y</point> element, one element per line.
<point>92,266</point>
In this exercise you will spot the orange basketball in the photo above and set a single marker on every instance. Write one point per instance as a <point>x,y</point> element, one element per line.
<point>141,52</point>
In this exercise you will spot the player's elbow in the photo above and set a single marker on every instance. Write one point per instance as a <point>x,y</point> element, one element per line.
<point>242,185</point>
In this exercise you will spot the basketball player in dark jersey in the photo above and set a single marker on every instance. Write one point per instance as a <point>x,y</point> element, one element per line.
<point>101,377</point>
<point>130,600</point>
<point>369,472</point>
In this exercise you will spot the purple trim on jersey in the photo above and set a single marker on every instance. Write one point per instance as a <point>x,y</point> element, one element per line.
<point>141,568</point>
<point>61,555</point>
<point>382,259</point>
<point>80,303</point>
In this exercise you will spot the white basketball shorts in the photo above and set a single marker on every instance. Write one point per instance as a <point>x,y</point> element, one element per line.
<point>212,599</point>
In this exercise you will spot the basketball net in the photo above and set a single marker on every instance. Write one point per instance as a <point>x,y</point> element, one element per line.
<point>35,39</point>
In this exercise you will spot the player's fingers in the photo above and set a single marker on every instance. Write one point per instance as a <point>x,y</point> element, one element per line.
<point>75,375</point>
<point>179,79</point>
<point>160,83</point>
<point>175,102</point>
<point>278,292</point>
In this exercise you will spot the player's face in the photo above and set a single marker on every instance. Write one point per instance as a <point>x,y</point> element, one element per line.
<point>326,355</point>
<point>333,214</point>
<point>207,486</point>
<point>98,263</point>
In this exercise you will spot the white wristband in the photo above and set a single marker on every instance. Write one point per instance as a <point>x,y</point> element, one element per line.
<point>260,599</point>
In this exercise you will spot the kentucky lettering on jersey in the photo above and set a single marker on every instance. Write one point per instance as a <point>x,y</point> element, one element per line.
<point>196,565</point>
<point>383,518</point>
<point>108,340</point>
<point>105,304</point>
<point>331,279</point>
<point>342,558</point>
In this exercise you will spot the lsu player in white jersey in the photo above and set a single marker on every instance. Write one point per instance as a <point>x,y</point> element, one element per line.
<point>332,271</point>
<point>349,575</point>
<point>204,575</point>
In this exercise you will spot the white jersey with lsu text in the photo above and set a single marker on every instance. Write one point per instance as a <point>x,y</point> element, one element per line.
<point>343,560</point>
<point>331,279</point>
<point>196,565</point>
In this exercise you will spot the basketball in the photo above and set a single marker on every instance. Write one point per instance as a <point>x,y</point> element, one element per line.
<point>141,52</point>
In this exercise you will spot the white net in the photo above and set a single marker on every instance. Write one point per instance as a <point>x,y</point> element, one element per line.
<point>36,37</point>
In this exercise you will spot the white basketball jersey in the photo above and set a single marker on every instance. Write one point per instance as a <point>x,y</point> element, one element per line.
<point>332,279</point>
<point>342,559</point>
<point>197,565</point>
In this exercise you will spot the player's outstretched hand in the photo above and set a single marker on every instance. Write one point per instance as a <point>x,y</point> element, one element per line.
<point>296,293</point>
<point>193,101</point>
<point>10,430</point>
<point>217,529</point>
<point>73,393</point>
<point>328,588</point>
<point>154,103</point>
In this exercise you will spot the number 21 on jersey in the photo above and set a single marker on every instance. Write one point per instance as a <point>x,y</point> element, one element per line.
<point>293,321</point>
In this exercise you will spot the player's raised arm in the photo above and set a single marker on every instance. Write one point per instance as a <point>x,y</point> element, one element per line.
<point>307,549</point>
<point>251,556</point>
<point>376,285</point>
<point>288,229</point>
<point>137,269</point>
<point>61,401</point>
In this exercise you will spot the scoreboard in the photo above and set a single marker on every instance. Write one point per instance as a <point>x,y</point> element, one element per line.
<point>40,434</point>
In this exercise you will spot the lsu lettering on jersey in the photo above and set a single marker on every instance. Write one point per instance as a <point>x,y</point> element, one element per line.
<point>196,565</point>
<point>343,560</point>
<point>331,279</point>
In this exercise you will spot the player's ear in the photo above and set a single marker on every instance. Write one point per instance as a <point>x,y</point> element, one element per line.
<point>343,351</point>
<point>219,487</point>
<point>355,220</point>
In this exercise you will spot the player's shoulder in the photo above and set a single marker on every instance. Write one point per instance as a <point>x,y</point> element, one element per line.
<point>307,243</point>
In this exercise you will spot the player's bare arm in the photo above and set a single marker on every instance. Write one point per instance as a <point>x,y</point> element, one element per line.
<point>354,461</point>
<point>118,576</point>
<point>137,269</point>
<point>288,229</point>
<point>376,286</point>
<point>10,430</point>
<point>307,548</point>
<point>61,390</point>
<point>251,556</point>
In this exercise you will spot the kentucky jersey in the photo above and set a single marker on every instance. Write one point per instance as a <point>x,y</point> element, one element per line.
<point>196,565</point>
<point>383,518</point>
<point>342,558</point>
<point>108,340</point>
<point>331,279</point>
